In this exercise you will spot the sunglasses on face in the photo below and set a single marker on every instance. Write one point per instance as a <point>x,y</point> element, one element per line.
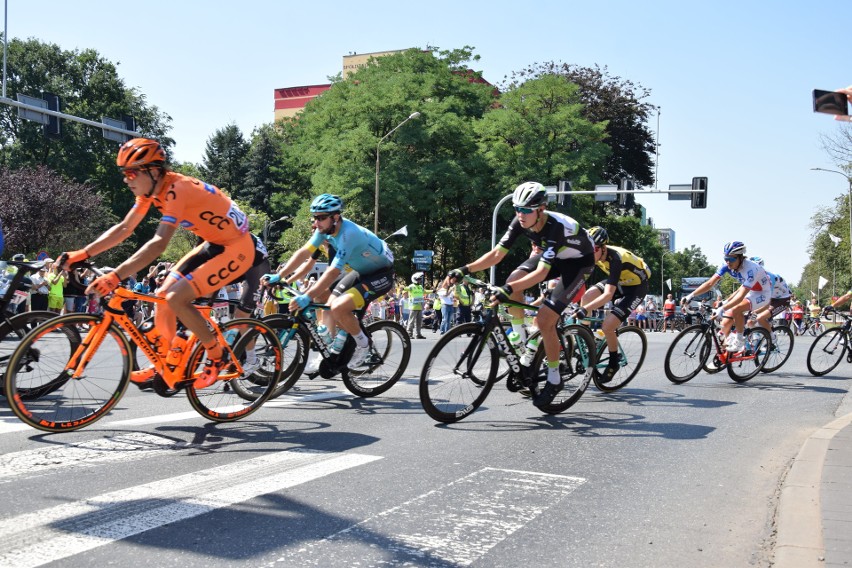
<point>131,173</point>
<point>524,210</point>
<point>730,259</point>
<point>321,218</point>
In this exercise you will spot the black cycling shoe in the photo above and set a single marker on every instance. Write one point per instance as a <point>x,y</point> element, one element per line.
<point>547,394</point>
<point>608,373</point>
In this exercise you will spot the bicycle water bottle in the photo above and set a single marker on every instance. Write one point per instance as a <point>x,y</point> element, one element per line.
<point>339,342</point>
<point>231,336</point>
<point>529,351</point>
<point>178,346</point>
<point>325,334</point>
<point>600,335</point>
<point>514,339</point>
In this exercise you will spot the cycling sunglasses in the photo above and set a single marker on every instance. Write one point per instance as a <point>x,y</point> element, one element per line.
<point>132,173</point>
<point>730,259</point>
<point>524,210</point>
<point>321,218</point>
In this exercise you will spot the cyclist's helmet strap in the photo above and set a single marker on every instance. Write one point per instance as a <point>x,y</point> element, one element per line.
<point>529,194</point>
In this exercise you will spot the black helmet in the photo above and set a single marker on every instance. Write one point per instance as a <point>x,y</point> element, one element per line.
<point>599,236</point>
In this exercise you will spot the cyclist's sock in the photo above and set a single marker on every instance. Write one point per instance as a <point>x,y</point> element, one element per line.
<point>613,359</point>
<point>214,350</point>
<point>251,355</point>
<point>518,327</point>
<point>553,372</point>
<point>361,340</point>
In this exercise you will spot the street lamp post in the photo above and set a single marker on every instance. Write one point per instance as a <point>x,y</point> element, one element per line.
<point>268,225</point>
<point>849,181</point>
<point>414,114</point>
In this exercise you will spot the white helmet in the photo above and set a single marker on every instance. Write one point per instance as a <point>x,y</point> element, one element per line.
<point>417,278</point>
<point>529,194</point>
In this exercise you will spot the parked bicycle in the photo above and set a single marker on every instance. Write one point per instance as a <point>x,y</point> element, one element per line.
<point>76,383</point>
<point>390,350</point>
<point>829,349</point>
<point>694,346</point>
<point>461,368</point>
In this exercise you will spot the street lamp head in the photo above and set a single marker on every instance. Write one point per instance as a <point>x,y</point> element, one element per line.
<point>414,114</point>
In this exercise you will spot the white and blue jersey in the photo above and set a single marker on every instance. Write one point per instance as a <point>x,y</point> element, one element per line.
<point>754,278</point>
<point>780,290</point>
<point>357,247</point>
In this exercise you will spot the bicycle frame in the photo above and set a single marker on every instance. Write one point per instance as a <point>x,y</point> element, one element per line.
<point>174,376</point>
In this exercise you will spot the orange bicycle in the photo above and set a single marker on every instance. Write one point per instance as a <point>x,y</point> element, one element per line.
<point>71,383</point>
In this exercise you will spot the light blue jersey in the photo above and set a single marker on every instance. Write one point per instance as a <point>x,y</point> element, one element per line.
<point>357,247</point>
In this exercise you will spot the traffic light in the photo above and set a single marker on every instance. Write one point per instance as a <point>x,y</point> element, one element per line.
<point>53,128</point>
<point>564,200</point>
<point>699,197</point>
<point>624,199</point>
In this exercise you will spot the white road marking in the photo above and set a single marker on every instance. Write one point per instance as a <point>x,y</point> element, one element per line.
<point>456,524</point>
<point>48,535</point>
<point>121,448</point>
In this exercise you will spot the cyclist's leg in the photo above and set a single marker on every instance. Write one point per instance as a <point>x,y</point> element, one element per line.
<point>517,314</point>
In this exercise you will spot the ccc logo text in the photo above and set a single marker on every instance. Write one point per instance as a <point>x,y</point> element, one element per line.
<point>223,274</point>
<point>217,221</point>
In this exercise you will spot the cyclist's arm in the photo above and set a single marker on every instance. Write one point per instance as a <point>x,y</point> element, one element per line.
<point>324,282</point>
<point>608,294</point>
<point>532,278</point>
<point>149,252</point>
<point>296,260</point>
<point>119,233</point>
<point>841,300</point>
<point>736,297</point>
<point>706,285</point>
<point>302,271</point>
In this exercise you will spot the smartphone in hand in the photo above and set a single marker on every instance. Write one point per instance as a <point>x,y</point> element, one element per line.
<point>831,102</point>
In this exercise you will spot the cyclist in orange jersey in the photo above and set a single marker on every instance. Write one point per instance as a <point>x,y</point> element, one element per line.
<point>226,253</point>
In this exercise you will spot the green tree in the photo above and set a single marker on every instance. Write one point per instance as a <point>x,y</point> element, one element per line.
<point>621,105</point>
<point>224,163</point>
<point>827,259</point>
<point>262,171</point>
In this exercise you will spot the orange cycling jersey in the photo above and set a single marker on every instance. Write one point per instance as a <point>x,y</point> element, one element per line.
<point>198,207</point>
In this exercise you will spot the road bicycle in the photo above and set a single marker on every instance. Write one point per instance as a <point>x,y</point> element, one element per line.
<point>811,325</point>
<point>782,347</point>
<point>689,352</point>
<point>462,367</point>
<point>74,383</point>
<point>632,348</point>
<point>828,350</point>
<point>13,327</point>
<point>390,349</point>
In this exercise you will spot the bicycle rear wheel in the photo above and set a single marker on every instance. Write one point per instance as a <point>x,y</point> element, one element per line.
<point>632,346</point>
<point>294,352</point>
<point>223,401</point>
<point>41,389</point>
<point>780,349</point>
<point>576,366</point>
<point>687,354</point>
<point>757,341</point>
<point>388,359</point>
<point>827,352</point>
<point>458,373</point>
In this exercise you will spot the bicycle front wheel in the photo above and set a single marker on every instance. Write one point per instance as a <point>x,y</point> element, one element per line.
<point>13,330</point>
<point>294,351</point>
<point>780,349</point>
<point>687,354</point>
<point>577,360</point>
<point>40,385</point>
<point>225,400</point>
<point>632,346</point>
<point>458,373</point>
<point>827,352</point>
<point>388,359</point>
<point>758,343</point>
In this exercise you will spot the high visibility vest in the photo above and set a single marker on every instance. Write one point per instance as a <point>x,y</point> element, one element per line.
<point>463,294</point>
<point>416,293</point>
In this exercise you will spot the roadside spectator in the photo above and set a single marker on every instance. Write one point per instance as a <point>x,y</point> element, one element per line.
<point>641,318</point>
<point>798,315</point>
<point>56,283</point>
<point>669,313</point>
<point>40,289</point>
<point>446,295</point>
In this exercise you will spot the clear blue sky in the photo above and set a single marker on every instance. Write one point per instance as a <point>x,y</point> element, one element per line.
<point>733,80</point>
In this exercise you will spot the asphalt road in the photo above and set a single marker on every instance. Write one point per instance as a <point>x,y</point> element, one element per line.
<point>654,475</point>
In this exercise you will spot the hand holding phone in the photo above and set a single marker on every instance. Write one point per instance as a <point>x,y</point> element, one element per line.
<point>831,102</point>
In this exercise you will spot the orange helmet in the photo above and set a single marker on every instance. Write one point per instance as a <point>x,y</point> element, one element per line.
<point>140,152</point>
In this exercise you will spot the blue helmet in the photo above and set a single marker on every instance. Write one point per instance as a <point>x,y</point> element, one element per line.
<point>326,203</point>
<point>734,247</point>
<point>757,259</point>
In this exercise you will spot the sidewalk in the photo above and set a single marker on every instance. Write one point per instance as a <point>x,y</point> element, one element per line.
<point>814,518</point>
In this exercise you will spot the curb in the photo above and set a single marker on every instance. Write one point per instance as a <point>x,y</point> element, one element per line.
<point>799,536</point>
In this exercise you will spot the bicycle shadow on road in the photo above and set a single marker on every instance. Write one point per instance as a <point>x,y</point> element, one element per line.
<point>653,397</point>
